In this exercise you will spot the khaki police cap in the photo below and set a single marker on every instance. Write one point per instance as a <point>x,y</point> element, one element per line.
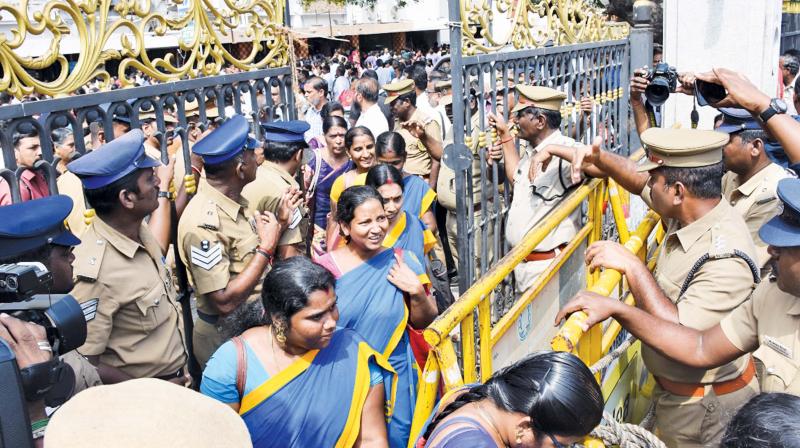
<point>538,96</point>
<point>443,85</point>
<point>151,115</point>
<point>682,148</point>
<point>145,412</point>
<point>398,88</point>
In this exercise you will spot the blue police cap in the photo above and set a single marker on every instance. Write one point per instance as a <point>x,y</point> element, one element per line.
<point>285,131</point>
<point>735,119</point>
<point>27,226</point>
<point>784,229</point>
<point>226,141</point>
<point>112,161</point>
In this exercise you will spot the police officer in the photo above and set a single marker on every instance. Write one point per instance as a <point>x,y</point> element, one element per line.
<point>283,153</point>
<point>34,231</point>
<point>225,252</point>
<point>768,325</point>
<point>705,269</point>
<point>421,132</point>
<point>138,330</point>
<point>538,116</point>
<point>750,182</point>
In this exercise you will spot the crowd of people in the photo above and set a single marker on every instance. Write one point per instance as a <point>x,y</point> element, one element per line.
<point>314,258</point>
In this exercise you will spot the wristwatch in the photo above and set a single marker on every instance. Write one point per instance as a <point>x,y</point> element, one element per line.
<point>165,194</point>
<point>776,106</point>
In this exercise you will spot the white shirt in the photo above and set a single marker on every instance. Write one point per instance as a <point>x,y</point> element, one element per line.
<point>313,118</point>
<point>340,84</point>
<point>374,120</point>
<point>788,97</point>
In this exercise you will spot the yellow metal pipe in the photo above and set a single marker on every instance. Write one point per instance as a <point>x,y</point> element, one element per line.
<point>485,331</point>
<point>465,305</point>
<point>571,332</point>
<point>426,396</point>
<point>448,363</point>
<point>614,327</point>
<point>468,348</point>
<point>544,278</point>
<point>619,213</point>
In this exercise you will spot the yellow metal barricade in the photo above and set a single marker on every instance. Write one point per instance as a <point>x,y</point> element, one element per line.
<point>442,370</point>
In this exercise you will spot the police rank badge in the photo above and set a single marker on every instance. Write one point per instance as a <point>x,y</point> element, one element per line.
<point>206,256</point>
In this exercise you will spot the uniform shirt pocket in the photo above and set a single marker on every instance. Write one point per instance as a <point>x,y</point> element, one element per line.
<point>244,247</point>
<point>152,308</point>
<point>776,371</point>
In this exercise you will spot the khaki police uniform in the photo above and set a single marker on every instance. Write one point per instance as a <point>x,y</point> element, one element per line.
<point>418,160</point>
<point>755,200</point>
<point>216,242</point>
<point>704,292</point>
<point>768,325</point>
<point>70,185</point>
<point>446,194</point>
<point>265,194</point>
<point>533,200</point>
<point>138,326</point>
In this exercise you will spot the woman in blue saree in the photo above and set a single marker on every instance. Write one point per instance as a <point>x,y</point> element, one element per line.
<point>390,148</point>
<point>406,231</point>
<point>297,380</point>
<point>381,292</point>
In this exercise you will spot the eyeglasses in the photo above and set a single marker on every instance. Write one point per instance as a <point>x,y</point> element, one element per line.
<point>558,444</point>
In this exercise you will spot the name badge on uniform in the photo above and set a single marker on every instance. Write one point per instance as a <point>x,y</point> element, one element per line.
<point>774,344</point>
<point>296,218</point>
<point>206,256</point>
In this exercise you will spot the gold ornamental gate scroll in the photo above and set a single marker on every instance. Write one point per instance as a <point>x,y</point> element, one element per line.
<point>116,30</point>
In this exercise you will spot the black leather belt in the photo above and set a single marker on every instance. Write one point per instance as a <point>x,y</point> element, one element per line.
<point>208,318</point>
<point>171,376</point>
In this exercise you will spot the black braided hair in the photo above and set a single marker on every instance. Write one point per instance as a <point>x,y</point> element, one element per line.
<point>555,389</point>
<point>473,394</point>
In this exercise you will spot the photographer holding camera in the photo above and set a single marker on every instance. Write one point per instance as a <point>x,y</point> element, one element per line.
<point>650,88</point>
<point>33,237</point>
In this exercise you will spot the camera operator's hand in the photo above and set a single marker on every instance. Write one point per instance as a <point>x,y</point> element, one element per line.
<point>686,83</point>
<point>26,340</point>
<point>741,92</point>
<point>639,83</point>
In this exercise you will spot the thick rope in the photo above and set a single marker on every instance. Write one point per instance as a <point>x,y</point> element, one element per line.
<point>603,362</point>
<point>625,435</point>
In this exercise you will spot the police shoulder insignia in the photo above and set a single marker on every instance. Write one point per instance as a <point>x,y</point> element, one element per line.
<point>207,255</point>
<point>89,309</point>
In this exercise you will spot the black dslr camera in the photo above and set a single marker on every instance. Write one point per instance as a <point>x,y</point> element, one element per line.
<point>663,81</point>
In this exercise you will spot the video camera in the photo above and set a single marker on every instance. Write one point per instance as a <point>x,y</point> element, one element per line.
<point>24,294</point>
<point>663,81</point>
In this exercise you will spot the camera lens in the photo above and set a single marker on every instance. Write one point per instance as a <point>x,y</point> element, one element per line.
<point>11,283</point>
<point>658,91</point>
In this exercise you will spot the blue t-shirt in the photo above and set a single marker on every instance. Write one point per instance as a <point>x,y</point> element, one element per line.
<point>219,377</point>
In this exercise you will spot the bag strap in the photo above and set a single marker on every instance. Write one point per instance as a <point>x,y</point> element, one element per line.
<point>241,365</point>
<point>312,187</point>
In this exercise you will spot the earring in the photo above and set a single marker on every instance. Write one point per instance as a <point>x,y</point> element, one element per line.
<point>279,332</point>
<point>518,436</point>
